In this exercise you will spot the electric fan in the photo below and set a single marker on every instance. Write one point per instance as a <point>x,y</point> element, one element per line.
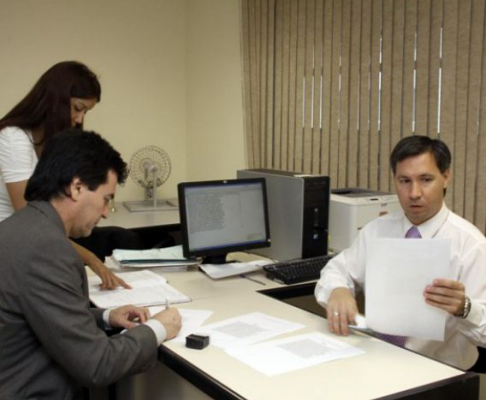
<point>149,168</point>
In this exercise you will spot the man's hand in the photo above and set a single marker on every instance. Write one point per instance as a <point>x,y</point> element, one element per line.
<point>341,311</point>
<point>124,317</point>
<point>446,294</point>
<point>171,319</point>
<point>108,279</point>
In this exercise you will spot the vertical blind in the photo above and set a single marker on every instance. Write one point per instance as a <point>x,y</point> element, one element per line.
<point>330,86</point>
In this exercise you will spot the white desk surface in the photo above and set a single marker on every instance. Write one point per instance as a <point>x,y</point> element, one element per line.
<point>383,370</point>
<point>120,216</point>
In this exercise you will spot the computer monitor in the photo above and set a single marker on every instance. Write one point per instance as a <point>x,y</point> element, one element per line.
<point>218,217</point>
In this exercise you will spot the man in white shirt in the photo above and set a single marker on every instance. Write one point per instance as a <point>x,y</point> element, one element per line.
<point>421,169</point>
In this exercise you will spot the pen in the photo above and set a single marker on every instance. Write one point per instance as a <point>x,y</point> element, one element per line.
<point>167,303</point>
<point>252,279</point>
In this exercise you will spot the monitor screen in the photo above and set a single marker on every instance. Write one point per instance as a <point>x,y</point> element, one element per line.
<point>218,217</point>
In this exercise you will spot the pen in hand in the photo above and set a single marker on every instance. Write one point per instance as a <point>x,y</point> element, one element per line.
<point>167,303</point>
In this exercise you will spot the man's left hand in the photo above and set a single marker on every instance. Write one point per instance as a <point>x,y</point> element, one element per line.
<point>125,317</point>
<point>446,294</point>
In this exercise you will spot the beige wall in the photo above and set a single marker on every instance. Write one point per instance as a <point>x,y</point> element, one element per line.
<point>159,66</point>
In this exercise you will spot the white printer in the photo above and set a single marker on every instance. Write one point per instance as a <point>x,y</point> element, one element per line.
<point>350,209</point>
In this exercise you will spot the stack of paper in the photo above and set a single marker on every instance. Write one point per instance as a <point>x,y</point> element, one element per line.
<point>165,257</point>
<point>148,289</point>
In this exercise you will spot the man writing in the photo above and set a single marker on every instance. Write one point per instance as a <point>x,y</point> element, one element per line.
<point>421,169</point>
<point>52,342</point>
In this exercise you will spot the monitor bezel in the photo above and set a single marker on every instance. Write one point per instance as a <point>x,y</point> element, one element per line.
<point>188,253</point>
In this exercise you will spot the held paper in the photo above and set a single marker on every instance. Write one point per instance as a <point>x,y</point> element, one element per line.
<point>397,272</point>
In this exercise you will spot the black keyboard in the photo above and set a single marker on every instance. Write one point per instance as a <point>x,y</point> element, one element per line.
<point>296,271</point>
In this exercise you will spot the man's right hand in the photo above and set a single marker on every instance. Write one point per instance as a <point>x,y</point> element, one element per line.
<point>171,319</point>
<point>341,311</point>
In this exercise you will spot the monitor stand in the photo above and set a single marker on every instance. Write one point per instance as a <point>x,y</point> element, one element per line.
<point>216,259</point>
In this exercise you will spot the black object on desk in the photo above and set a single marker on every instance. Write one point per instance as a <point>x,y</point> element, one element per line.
<point>197,342</point>
<point>296,271</point>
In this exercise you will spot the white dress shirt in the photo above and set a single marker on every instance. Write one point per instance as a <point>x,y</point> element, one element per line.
<point>468,264</point>
<point>155,325</point>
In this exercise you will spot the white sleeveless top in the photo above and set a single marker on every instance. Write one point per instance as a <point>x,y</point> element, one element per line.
<point>17,163</point>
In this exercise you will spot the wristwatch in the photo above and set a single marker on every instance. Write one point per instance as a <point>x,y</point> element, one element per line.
<point>467,308</point>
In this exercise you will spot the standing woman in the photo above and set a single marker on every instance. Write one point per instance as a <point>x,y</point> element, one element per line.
<point>60,99</point>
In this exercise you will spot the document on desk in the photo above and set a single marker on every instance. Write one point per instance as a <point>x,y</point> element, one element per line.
<point>218,271</point>
<point>290,354</point>
<point>397,272</point>
<point>148,288</point>
<point>247,329</point>
<point>163,257</point>
<point>191,321</point>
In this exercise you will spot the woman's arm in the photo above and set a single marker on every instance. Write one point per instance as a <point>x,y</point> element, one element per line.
<point>108,278</point>
<point>16,192</point>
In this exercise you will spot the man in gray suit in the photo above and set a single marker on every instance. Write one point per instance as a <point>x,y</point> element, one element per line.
<point>51,341</point>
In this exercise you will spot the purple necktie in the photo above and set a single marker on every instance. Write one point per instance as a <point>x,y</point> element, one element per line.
<point>412,233</point>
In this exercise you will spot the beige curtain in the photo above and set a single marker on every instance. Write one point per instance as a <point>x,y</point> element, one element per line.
<point>331,86</point>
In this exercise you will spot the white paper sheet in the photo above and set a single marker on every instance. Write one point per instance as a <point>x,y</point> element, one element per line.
<point>296,352</point>
<point>191,321</point>
<point>247,329</point>
<point>217,271</point>
<point>397,272</point>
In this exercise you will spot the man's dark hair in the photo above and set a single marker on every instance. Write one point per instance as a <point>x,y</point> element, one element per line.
<point>70,154</point>
<point>412,146</point>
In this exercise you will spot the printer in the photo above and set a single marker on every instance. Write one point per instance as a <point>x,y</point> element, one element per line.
<point>351,209</point>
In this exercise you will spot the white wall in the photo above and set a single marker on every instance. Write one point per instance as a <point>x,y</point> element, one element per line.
<point>159,66</point>
<point>214,90</point>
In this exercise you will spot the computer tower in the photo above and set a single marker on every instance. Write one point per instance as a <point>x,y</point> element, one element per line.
<point>298,208</point>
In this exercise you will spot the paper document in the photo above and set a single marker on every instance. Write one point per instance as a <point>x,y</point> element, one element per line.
<point>397,272</point>
<point>217,271</point>
<point>290,354</point>
<point>167,256</point>
<point>247,329</point>
<point>148,289</point>
<point>191,321</point>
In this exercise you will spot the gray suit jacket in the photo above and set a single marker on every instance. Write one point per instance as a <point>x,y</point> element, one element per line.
<point>50,339</point>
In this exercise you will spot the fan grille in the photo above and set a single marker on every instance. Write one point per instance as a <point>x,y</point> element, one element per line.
<point>147,163</point>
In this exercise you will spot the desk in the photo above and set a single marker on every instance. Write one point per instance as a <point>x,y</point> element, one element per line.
<point>384,371</point>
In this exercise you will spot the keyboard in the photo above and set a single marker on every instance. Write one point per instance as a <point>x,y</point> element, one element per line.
<point>297,271</point>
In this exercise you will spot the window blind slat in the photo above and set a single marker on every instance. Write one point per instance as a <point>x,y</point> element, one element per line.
<point>344,102</point>
<point>473,93</point>
<point>353,102</point>
<point>317,133</point>
<point>480,209</point>
<point>327,89</point>
<point>424,44</point>
<point>448,92</point>
<point>293,82</point>
<point>409,84</point>
<point>334,141</point>
<point>363,165</point>
<point>386,94</point>
<point>279,86</point>
<point>376,28</point>
<point>308,86</point>
<point>462,107</point>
